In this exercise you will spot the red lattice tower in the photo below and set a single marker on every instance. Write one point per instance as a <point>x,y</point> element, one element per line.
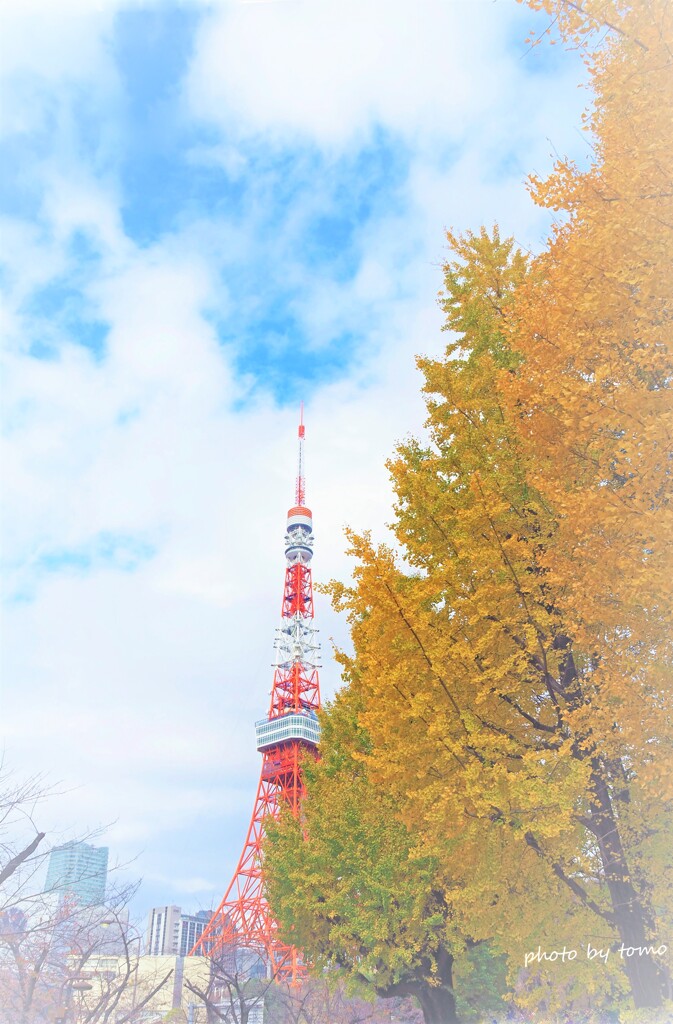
<point>243,918</point>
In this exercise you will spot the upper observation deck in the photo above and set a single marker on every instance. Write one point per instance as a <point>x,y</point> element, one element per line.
<point>304,726</point>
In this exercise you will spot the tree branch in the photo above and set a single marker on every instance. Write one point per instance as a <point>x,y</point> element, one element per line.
<point>16,862</point>
<point>574,886</point>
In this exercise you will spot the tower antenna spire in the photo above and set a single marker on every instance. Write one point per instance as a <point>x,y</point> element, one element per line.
<point>300,493</point>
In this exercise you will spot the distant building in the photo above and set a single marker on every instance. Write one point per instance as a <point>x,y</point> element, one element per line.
<point>163,930</point>
<point>172,933</point>
<point>191,929</point>
<point>79,870</point>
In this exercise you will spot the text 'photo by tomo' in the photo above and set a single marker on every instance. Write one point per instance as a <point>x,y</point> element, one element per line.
<point>336,509</point>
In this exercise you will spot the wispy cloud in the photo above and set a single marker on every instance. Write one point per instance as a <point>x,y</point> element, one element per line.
<point>105,551</point>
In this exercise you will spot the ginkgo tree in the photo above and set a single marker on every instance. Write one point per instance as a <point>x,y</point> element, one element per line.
<point>512,660</point>
<point>348,887</point>
<point>461,662</point>
<point>515,668</point>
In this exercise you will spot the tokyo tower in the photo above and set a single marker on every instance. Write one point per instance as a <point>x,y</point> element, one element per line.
<point>287,734</point>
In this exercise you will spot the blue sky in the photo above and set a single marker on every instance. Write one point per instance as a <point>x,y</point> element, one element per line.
<point>210,212</point>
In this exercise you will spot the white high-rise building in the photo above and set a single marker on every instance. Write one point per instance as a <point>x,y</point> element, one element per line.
<point>163,931</point>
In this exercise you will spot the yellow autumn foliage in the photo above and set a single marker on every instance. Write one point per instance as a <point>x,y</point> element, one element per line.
<point>515,666</point>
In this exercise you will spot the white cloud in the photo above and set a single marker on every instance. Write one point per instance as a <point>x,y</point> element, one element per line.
<point>57,44</point>
<point>329,70</point>
<point>77,201</point>
<point>43,46</point>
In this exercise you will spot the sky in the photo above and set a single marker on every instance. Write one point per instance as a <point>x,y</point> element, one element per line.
<point>210,212</point>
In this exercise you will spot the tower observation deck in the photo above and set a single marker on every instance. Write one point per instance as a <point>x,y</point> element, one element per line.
<point>289,732</point>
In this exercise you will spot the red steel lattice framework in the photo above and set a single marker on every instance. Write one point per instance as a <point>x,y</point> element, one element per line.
<point>291,729</point>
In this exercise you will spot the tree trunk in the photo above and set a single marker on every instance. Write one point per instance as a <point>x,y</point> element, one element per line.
<point>438,1002</point>
<point>438,1005</point>
<point>645,977</point>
